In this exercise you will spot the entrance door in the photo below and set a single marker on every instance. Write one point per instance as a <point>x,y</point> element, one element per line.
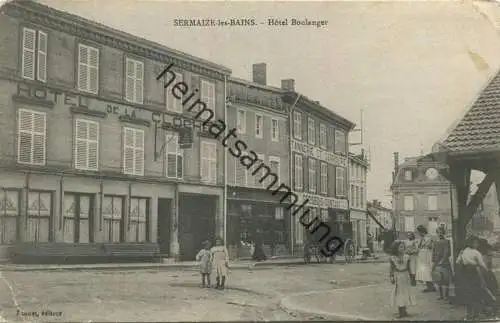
<point>78,218</point>
<point>164,225</point>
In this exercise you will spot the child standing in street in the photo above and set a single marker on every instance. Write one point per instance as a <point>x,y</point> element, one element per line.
<point>402,296</point>
<point>204,257</point>
<point>220,260</point>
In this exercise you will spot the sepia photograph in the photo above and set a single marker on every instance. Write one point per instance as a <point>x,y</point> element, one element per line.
<point>237,161</point>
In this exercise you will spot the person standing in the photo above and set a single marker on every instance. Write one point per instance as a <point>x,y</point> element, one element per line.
<point>402,296</point>
<point>424,262</point>
<point>369,242</point>
<point>220,262</point>
<point>258,253</point>
<point>441,264</point>
<point>204,257</point>
<point>412,250</point>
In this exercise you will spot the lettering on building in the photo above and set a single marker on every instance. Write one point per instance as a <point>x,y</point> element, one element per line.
<point>317,153</point>
<point>324,202</point>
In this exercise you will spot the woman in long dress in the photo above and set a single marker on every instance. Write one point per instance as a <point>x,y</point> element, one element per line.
<point>424,261</point>
<point>402,296</point>
<point>220,262</point>
<point>412,250</point>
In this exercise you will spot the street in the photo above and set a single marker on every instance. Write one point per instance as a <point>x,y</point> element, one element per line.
<point>151,295</point>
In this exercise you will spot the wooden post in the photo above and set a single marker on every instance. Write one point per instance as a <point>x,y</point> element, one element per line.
<point>460,177</point>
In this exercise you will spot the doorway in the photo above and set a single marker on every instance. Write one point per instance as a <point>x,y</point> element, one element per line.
<point>164,225</point>
<point>196,223</point>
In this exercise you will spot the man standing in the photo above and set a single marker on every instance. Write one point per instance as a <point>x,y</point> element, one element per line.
<point>441,263</point>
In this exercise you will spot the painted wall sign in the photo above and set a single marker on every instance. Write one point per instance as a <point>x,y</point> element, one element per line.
<point>320,154</point>
<point>323,201</point>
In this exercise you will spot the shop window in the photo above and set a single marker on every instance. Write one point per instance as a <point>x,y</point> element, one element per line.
<point>39,216</point>
<point>112,212</point>
<point>9,216</point>
<point>138,220</point>
<point>77,219</point>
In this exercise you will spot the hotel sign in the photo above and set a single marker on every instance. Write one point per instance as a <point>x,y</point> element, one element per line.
<point>323,201</point>
<point>317,153</point>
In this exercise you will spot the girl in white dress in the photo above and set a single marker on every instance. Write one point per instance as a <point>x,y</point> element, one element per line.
<point>220,262</point>
<point>424,261</point>
<point>402,295</point>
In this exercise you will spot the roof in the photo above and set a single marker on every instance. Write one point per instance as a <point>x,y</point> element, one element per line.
<point>254,84</point>
<point>479,130</point>
<point>72,20</point>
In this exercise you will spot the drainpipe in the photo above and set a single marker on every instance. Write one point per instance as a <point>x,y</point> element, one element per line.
<point>290,167</point>
<point>224,202</point>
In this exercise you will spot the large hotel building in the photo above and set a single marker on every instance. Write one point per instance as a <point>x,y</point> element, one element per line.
<point>91,159</point>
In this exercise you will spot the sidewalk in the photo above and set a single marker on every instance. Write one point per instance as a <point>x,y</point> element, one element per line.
<point>369,303</point>
<point>170,264</point>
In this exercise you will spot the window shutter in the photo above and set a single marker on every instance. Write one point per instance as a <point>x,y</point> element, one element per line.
<point>213,162</point>
<point>172,143</point>
<point>93,146</point>
<point>180,163</point>
<point>93,70</point>
<point>128,150</point>
<point>81,134</point>
<point>139,152</point>
<point>139,79</point>
<point>39,138</point>
<point>42,56</point>
<point>24,136</point>
<point>129,86</point>
<point>28,60</point>
<point>82,67</point>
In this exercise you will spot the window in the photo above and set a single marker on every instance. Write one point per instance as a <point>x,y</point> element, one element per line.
<point>324,178</point>
<point>410,223</point>
<point>34,55</point>
<point>279,213</point>
<point>311,131</point>
<point>174,156</point>
<point>174,104</point>
<point>208,94</point>
<point>432,226</point>
<point>209,161</point>
<point>299,228</point>
<point>408,175</point>
<point>241,122</point>
<point>86,145</point>
<point>9,215</point>
<point>297,125</point>
<point>258,176</point>
<point>112,213</point>
<point>138,224</point>
<point>39,214</point>
<point>241,174</point>
<point>299,172</point>
<point>134,88</point>
<point>312,175</point>
<point>340,142</point>
<point>31,137</point>
<point>322,136</point>
<point>258,125</point>
<point>275,131</point>
<point>77,218</point>
<point>340,181</point>
<point>408,203</point>
<point>133,151</point>
<point>324,215</point>
<point>432,203</point>
<point>362,198</point>
<point>88,68</point>
<point>352,194</point>
<point>274,165</point>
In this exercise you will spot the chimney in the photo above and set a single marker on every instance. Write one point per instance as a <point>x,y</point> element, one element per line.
<point>288,85</point>
<point>259,73</point>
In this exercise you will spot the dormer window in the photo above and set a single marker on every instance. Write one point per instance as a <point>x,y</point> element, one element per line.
<point>408,175</point>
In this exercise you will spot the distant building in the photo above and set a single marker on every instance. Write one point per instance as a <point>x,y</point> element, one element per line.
<point>358,168</point>
<point>384,216</point>
<point>420,195</point>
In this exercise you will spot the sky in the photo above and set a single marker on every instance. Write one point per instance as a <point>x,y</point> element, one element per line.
<point>412,67</point>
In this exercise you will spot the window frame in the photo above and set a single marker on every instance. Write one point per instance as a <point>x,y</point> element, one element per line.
<point>135,79</point>
<point>311,131</point>
<point>429,208</point>
<point>88,66</point>
<point>298,176</point>
<point>259,126</point>
<point>179,77</point>
<point>323,177</point>
<point>407,198</point>
<point>87,142</point>
<point>210,178</point>
<point>297,125</point>
<point>170,138</point>
<point>135,149</point>
<point>312,172</point>
<point>37,54</point>
<point>210,102</point>
<point>241,123</point>
<point>275,134</point>
<point>32,137</point>
<point>323,136</point>
<point>343,181</point>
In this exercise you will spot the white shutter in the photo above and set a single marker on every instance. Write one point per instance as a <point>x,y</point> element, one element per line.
<point>28,60</point>
<point>213,162</point>
<point>31,137</point>
<point>139,152</point>
<point>81,153</point>
<point>128,150</point>
<point>93,70</point>
<point>24,143</point>
<point>83,55</point>
<point>42,56</point>
<point>39,135</point>
<point>172,140</point>
<point>130,80</point>
<point>93,146</point>
<point>139,82</point>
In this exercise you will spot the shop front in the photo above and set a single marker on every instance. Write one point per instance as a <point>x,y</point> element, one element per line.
<point>255,214</point>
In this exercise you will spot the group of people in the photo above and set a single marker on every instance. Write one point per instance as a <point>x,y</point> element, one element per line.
<point>213,259</point>
<point>428,261</point>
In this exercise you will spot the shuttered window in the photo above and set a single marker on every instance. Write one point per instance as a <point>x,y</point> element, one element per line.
<point>88,69</point>
<point>134,89</point>
<point>133,151</point>
<point>324,178</point>
<point>312,175</point>
<point>209,161</point>
<point>208,94</point>
<point>174,104</point>
<point>34,60</point>
<point>259,174</point>
<point>31,137</point>
<point>340,181</point>
<point>86,145</point>
<point>174,156</point>
<point>298,172</point>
